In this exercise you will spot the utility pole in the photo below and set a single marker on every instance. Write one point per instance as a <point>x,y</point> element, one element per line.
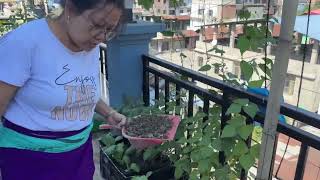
<point>277,86</point>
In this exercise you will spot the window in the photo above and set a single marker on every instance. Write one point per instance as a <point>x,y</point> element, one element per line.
<point>289,84</point>
<point>164,12</point>
<point>181,11</point>
<point>172,12</point>
<point>158,10</point>
<point>210,12</point>
<point>158,0</point>
<point>201,12</point>
<point>164,1</point>
<point>200,61</point>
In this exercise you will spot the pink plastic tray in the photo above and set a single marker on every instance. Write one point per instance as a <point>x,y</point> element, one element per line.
<point>142,143</point>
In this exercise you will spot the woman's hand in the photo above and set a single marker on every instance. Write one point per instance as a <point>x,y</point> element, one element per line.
<point>116,119</point>
<point>112,117</point>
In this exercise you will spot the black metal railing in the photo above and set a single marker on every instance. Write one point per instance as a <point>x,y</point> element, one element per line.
<point>228,92</point>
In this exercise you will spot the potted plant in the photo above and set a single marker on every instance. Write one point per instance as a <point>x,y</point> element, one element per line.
<point>137,155</point>
<point>120,161</point>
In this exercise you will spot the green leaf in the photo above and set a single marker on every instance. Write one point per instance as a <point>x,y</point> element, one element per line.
<point>234,108</point>
<point>237,121</point>
<point>135,167</point>
<point>255,151</point>
<point>228,132</point>
<point>119,138</point>
<point>247,161</point>
<point>168,33</point>
<point>130,150</point>
<point>206,67</point>
<point>187,150</point>
<point>266,69</point>
<point>256,84</point>
<point>178,173</point>
<point>215,109</point>
<point>200,115</point>
<point>140,178</point>
<point>149,154</point>
<point>182,140</point>
<point>205,152</point>
<point>147,4</point>
<point>126,160</point>
<point>217,144</point>
<point>110,150</point>
<point>205,177</point>
<point>240,149</point>
<point>217,50</point>
<point>251,110</point>
<point>222,173</point>
<point>233,176</point>
<point>241,102</point>
<point>108,140</point>
<point>268,61</point>
<point>184,163</point>
<point>119,150</point>
<point>195,156</point>
<point>245,131</point>
<point>246,70</point>
<point>194,175</point>
<point>183,55</point>
<point>243,44</point>
<point>244,14</point>
<point>204,165</point>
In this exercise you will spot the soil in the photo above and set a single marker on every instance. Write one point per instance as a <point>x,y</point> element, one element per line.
<point>149,127</point>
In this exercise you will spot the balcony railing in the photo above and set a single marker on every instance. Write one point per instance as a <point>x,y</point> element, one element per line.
<point>223,99</point>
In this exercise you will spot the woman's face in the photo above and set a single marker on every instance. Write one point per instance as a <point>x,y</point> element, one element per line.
<point>93,26</point>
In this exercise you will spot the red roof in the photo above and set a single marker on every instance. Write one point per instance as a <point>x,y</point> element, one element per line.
<point>276,30</point>
<point>314,12</point>
<point>222,32</point>
<point>190,33</point>
<point>180,18</point>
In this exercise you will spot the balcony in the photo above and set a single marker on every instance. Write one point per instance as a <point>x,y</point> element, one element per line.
<point>300,159</point>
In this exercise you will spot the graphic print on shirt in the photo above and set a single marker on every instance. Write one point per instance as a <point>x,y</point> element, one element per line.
<point>80,101</point>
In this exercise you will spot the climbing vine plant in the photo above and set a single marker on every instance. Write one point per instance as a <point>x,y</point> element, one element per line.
<point>254,72</point>
<point>201,139</point>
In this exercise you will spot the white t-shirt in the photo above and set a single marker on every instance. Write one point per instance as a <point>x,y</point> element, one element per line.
<point>58,88</point>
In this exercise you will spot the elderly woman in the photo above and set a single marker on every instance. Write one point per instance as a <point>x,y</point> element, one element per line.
<point>49,90</point>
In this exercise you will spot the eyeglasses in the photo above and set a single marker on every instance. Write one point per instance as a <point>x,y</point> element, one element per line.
<point>95,29</point>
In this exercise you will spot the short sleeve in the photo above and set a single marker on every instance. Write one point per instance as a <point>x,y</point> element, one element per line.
<point>15,59</point>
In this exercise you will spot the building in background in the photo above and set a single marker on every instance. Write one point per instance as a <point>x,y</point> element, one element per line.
<point>161,8</point>
<point>215,11</point>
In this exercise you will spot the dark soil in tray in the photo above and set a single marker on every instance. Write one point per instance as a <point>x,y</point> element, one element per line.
<point>149,127</point>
